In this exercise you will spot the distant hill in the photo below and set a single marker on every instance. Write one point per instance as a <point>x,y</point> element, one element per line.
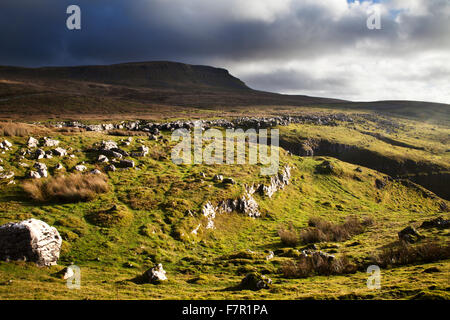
<point>158,74</point>
<point>160,87</point>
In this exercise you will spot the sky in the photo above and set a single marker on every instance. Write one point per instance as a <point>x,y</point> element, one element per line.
<point>312,47</point>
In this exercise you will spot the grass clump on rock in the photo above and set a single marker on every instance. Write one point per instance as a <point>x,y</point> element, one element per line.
<point>68,188</point>
<point>117,215</point>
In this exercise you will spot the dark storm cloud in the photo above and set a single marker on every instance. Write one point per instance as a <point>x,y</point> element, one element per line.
<point>227,33</point>
<point>34,33</point>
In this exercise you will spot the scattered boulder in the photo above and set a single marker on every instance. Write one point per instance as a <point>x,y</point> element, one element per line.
<point>41,170</point>
<point>96,171</point>
<point>7,175</point>
<point>39,154</point>
<point>80,167</point>
<point>102,159</point>
<point>125,164</point>
<point>218,178</point>
<point>270,256</point>
<point>410,235</point>
<point>255,281</point>
<point>32,142</point>
<point>111,154</point>
<point>59,166</point>
<point>30,240</point>
<point>108,145</point>
<point>155,275</point>
<point>111,167</point>
<point>229,181</point>
<point>60,152</point>
<point>439,223</point>
<point>48,142</point>
<point>34,175</point>
<point>65,273</point>
<point>380,184</point>
<point>5,144</point>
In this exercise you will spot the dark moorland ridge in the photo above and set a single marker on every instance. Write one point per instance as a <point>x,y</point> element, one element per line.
<point>141,87</point>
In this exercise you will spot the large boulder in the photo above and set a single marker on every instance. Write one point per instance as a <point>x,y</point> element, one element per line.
<point>30,240</point>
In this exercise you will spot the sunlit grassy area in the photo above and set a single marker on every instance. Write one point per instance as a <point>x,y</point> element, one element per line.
<point>159,204</point>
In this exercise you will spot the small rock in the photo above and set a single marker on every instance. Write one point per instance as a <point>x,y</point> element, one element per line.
<point>155,275</point>
<point>255,281</point>
<point>111,167</point>
<point>229,181</point>
<point>380,184</point>
<point>410,235</point>
<point>126,164</point>
<point>48,142</point>
<point>80,168</point>
<point>439,223</point>
<point>102,159</point>
<point>60,152</point>
<point>32,142</point>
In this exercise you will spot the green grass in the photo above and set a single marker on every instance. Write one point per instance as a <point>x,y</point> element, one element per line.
<point>160,205</point>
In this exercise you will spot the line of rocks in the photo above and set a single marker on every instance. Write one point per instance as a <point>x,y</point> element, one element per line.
<point>241,122</point>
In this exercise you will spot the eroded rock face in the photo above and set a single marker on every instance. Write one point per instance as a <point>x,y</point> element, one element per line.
<point>277,182</point>
<point>30,240</point>
<point>246,204</point>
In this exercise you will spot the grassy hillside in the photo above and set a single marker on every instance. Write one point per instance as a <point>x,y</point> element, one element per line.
<point>159,204</point>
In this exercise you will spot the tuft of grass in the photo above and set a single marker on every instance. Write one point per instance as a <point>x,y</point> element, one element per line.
<point>11,129</point>
<point>317,265</point>
<point>68,188</point>
<point>322,230</point>
<point>404,254</point>
<point>288,235</point>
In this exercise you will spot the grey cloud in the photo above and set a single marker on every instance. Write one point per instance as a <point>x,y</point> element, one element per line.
<point>33,33</point>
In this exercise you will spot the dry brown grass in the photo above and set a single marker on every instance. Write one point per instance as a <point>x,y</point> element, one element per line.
<point>288,235</point>
<point>68,188</point>
<point>12,129</point>
<point>403,254</point>
<point>322,230</point>
<point>316,265</point>
<point>18,129</point>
